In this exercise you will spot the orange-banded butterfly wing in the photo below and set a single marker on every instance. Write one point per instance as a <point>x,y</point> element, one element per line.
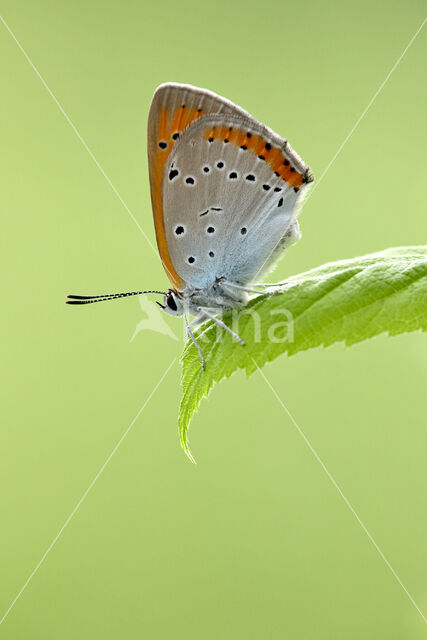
<point>230,197</point>
<point>174,107</point>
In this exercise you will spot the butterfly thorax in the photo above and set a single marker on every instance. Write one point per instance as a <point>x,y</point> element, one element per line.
<point>217,298</point>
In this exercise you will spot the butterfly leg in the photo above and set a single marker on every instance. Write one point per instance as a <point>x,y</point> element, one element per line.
<point>193,339</point>
<point>220,323</point>
<point>233,285</point>
<point>267,285</point>
<point>197,321</point>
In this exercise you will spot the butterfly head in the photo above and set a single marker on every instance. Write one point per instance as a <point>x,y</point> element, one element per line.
<point>173,303</point>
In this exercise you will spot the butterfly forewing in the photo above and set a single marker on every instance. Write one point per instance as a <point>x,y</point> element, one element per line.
<point>174,107</point>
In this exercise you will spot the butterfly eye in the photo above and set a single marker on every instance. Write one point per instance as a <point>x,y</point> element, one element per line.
<point>170,301</point>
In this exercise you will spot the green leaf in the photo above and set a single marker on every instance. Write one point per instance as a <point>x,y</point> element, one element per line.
<point>347,301</point>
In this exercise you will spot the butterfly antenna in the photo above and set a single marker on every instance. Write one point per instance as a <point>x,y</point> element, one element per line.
<point>107,296</point>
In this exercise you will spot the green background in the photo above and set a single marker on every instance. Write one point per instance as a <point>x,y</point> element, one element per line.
<point>254,542</point>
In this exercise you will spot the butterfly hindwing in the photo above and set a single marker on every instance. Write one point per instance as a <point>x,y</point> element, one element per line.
<point>230,196</point>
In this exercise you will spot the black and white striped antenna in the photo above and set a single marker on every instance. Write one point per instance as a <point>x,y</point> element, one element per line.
<point>107,296</point>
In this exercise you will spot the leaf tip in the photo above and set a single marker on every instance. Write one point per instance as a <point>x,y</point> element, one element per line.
<point>187,451</point>
<point>189,454</point>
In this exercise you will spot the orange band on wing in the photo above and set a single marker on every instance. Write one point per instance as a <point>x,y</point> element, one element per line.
<point>260,144</point>
<point>178,120</point>
<point>275,158</point>
<point>170,126</point>
<point>192,116</point>
<point>241,139</point>
<point>262,149</point>
<point>251,141</point>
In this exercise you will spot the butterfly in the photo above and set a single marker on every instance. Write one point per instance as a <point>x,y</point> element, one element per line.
<point>225,192</point>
